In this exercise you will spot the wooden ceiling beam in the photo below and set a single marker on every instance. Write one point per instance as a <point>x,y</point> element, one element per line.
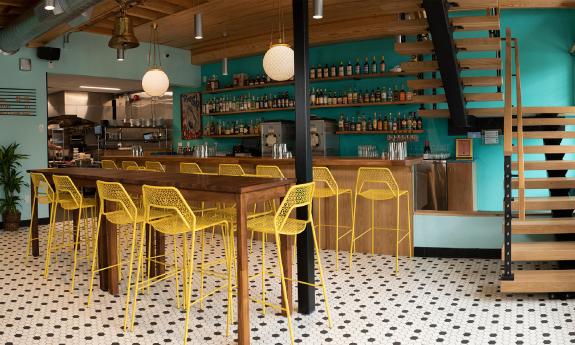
<point>163,7</point>
<point>144,13</point>
<point>14,3</point>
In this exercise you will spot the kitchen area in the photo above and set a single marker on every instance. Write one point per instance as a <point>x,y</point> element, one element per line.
<point>90,117</point>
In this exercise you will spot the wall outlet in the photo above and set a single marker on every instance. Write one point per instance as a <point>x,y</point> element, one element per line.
<point>41,128</point>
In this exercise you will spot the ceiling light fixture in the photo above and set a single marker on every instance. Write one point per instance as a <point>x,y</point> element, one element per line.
<point>155,82</point>
<point>49,5</point>
<point>317,9</point>
<point>199,32</point>
<point>100,88</point>
<point>120,54</point>
<point>278,61</point>
<point>123,37</point>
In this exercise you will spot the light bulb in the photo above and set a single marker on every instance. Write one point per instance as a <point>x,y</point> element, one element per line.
<point>49,5</point>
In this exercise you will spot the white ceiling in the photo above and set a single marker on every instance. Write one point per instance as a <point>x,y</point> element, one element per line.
<point>69,82</point>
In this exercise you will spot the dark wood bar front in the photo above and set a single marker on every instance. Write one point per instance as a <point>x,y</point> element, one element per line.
<point>344,169</point>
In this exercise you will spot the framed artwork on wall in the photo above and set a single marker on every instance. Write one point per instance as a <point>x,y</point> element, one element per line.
<point>191,111</point>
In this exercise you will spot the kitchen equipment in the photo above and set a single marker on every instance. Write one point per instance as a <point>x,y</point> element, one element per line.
<point>276,132</point>
<point>431,185</point>
<point>324,141</point>
<point>147,123</point>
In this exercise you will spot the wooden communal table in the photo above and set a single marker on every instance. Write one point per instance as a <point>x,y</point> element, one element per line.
<point>243,191</point>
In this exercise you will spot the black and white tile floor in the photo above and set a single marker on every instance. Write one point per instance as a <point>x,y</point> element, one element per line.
<point>448,301</point>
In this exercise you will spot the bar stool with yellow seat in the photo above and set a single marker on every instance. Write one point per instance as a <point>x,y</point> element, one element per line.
<point>108,164</point>
<point>153,165</point>
<point>127,164</point>
<point>282,224</point>
<point>190,168</point>
<point>43,195</point>
<point>387,189</point>
<point>69,198</point>
<point>326,187</point>
<point>184,223</point>
<point>231,170</point>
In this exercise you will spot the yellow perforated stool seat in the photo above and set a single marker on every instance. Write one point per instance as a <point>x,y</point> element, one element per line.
<point>265,224</point>
<point>378,194</point>
<point>69,204</point>
<point>326,192</point>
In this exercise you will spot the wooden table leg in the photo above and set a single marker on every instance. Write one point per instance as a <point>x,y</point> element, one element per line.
<point>102,250</point>
<point>160,244</point>
<point>286,244</point>
<point>75,221</point>
<point>150,250</point>
<point>34,222</point>
<point>112,244</point>
<point>243,283</point>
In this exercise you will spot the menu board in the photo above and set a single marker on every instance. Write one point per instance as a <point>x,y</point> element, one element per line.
<point>17,102</point>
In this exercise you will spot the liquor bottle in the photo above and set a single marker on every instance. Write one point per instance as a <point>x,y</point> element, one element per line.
<point>374,125</point>
<point>372,96</point>
<point>419,123</point>
<point>382,65</point>
<point>390,122</point>
<point>395,125</point>
<point>363,124</point>
<point>409,95</point>
<point>402,95</point>
<point>378,95</point>
<point>312,97</point>
<point>373,65</point>
<point>352,125</point>
<point>349,97</point>
<point>347,124</point>
<point>357,67</point>
<point>319,72</point>
<point>395,93</point>
<point>355,96</point>
<point>332,71</point>
<point>426,150</point>
<point>383,97</point>
<point>366,96</point>
<point>325,71</point>
<point>403,123</point>
<point>380,123</point>
<point>389,94</point>
<point>341,123</point>
<point>312,72</point>
<point>349,69</point>
<point>340,70</point>
<point>366,66</point>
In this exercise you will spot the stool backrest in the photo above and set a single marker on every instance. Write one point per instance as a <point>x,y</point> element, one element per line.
<point>131,167</point>
<point>127,164</point>
<point>41,186</point>
<point>168,198</point>
<point>269,171</point>
<point>116,193</point>
<point>157,166</point>
<point>108,164</point>
<point>66,190</point>
<point>323,176</point>
<point>231,170</point>
<point>190,168</point>
<point>381,176</point>
<point>300,195</point>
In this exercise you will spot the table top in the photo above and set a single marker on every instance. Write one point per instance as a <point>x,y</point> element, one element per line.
<point>211,183</point>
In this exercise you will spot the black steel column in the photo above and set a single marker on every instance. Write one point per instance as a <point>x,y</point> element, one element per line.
<point>507,199</point>
<point>303,163</point>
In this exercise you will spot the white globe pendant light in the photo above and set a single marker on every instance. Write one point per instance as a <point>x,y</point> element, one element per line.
<point>279,62</point>
<point>155,82</point>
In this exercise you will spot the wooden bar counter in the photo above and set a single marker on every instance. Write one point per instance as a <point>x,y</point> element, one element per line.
<point>344,169</point>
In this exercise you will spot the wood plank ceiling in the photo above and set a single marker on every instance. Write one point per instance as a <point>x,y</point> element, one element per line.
<point>249,23</point>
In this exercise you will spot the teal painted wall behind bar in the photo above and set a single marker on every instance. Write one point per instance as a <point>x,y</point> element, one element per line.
<point>547,72</point>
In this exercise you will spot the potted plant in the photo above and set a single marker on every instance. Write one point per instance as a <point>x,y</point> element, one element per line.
<point>11,182</point>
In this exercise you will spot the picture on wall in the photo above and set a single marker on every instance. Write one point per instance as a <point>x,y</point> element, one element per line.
<point>191,111</point>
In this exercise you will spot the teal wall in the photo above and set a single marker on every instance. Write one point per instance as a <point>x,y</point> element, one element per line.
<point>86,54</point>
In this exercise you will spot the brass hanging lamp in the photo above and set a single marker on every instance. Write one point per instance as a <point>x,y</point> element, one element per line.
<point>123,37</point>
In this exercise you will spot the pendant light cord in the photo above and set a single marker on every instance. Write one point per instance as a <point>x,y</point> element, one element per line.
<point>154,54</point>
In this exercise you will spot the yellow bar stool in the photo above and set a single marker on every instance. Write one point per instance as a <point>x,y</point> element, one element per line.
<point>282,224</point>
<point>367,179</point>
<point>326,187</point>
<point>43,195</point>
<point>156,166</point>
<point>127,164</point>
<point>231,170</point>
<point>108,164</point>
<point>190,168</point>
<point>183,226</point>
<point>69,198</point>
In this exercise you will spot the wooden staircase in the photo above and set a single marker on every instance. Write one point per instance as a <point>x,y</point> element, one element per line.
<point>552,128</point>
<point>429,86</point>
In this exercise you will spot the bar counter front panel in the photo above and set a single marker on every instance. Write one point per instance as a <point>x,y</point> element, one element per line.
<point>345,172</point>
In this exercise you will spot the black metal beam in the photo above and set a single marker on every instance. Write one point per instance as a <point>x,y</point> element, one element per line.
<point>444,47</point>
<point>303,161</point>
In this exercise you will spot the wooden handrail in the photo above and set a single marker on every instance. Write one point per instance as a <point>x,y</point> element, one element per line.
<point>508,111</point>
<point>520,152</point>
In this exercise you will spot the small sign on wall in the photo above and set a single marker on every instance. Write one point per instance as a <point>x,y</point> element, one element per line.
<point>464,148</point>
<point>491,137</point>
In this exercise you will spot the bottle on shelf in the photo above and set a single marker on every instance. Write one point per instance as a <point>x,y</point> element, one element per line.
<point>333,71</point>
<point>341,123</point>
<point>325,71</point>
<point>340,71</point>
<point>312,72</point>
<point>374,124</point>
<point>382,65</point>
<point>402,95</point>
<point>366,66</point>
<point>395,93</point>
<point>426,150</point>
<point>349,69</point>
<point>319,72</point>
<point>409,94</point>
<point>357,67</point>
<point>373,65</point>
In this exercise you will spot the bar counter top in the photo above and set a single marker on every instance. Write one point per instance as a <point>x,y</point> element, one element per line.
<point>318,161</point>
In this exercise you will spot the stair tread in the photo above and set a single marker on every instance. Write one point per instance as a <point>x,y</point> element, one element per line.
<point>546,165</point>
<point>475,23</point>
<point>543,251</point>
<point>540,281</point>
<point>480,64</point>
<point>545,182</point>
<point>546,134</point>
<point>546,203</point>
<point>546,149</point>
<point>420,84</point>
<point>540,226</point>
<point>469,97</point>
<point>498,112</point>
<point>463,44</point>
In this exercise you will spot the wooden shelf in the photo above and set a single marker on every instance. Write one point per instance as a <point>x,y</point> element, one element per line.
<point>232,136</point>
<point>419,131</point>
<point>353,105</point>
<point>312,81</point>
